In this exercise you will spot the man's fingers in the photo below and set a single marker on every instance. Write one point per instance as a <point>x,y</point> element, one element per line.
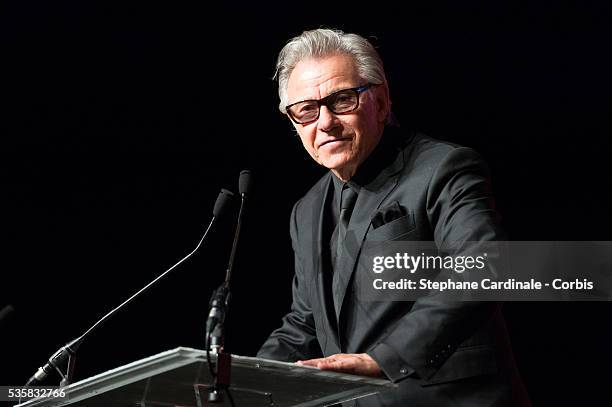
<point>310,362</point>
<point>342,363</point>
<point>347,366</point>
<point>315,362</point>
<point>335,362</point>
<point>345,363</point>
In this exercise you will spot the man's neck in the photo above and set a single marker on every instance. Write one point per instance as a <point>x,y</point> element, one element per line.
<point>345,174</point>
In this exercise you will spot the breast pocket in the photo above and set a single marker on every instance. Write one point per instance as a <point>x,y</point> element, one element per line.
<point>397,229</point>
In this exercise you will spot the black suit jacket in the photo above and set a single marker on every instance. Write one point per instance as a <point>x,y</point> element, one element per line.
<point>440,353</point>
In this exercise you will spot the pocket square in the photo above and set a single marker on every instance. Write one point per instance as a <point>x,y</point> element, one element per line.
<point>388,214</point>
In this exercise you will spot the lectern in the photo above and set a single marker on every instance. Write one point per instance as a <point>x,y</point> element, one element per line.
<point>181,377</point>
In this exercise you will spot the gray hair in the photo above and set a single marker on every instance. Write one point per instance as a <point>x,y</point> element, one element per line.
<point>326,42</point>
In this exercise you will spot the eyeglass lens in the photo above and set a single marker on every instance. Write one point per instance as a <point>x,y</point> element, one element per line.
<point>340,102</point>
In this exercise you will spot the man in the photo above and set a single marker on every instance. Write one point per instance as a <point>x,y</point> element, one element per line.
<point>383,185</point>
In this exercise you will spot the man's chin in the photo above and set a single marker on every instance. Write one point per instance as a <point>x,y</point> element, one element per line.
<point>335,164</point>
<point>344,170</point>
<point>336,160</point>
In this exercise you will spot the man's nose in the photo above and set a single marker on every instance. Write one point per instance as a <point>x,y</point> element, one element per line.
<point>327,119</point>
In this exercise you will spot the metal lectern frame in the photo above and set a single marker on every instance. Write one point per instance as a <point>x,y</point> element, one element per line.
<point>180,377</point>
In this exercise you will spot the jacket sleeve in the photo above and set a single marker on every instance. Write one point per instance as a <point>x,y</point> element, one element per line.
<point>460,209</point>
<point>296,338</point>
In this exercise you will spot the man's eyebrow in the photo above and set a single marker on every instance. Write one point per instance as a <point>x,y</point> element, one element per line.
<point>305,100</point>
<point>339,90</point>
<point>330,93</point>
<point>301,100</point>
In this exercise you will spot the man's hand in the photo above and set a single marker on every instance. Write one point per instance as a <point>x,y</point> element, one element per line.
<point>354,363</point>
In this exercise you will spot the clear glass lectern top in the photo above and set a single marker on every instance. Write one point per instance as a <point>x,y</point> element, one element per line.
<point>181,377</point>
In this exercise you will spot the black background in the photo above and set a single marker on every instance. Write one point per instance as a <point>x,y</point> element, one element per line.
<point>121,122</point>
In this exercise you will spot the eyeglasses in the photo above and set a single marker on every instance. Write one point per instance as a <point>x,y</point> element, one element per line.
<point>342,101</point>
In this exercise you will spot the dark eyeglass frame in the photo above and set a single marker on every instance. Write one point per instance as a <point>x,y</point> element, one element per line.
<point>324,102</point>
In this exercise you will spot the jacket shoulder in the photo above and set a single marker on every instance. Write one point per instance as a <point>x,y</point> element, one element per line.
<point>314,194</point>
<point>433,150</point>
<point>426,155</point>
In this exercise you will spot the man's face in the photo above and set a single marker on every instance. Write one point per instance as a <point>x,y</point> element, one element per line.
<point>340,142</point>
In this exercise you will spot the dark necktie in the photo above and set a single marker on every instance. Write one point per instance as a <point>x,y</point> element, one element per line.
<point>348,198</point>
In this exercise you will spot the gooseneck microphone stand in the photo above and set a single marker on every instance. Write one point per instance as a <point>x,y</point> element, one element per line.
<point>68,351</point>
<point>219,302</point>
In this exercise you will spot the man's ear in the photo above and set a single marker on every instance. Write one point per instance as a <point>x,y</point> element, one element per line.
<point>383,103</point>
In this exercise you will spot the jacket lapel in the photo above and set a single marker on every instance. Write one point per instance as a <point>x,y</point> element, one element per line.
<point>369,200</point>
<point>328,317</point>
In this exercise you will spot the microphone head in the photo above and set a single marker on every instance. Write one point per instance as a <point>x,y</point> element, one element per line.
<point>222,202</point>
<point>245,182</point>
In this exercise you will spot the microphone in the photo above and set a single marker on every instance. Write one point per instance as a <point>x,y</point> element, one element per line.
<point>245,182</point>
<point>68,351</point>
<point>221,296</point>
<point>219,302</point>
<point>222,203</point>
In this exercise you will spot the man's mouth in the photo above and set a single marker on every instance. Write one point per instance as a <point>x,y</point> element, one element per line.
<point>334,141</point>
